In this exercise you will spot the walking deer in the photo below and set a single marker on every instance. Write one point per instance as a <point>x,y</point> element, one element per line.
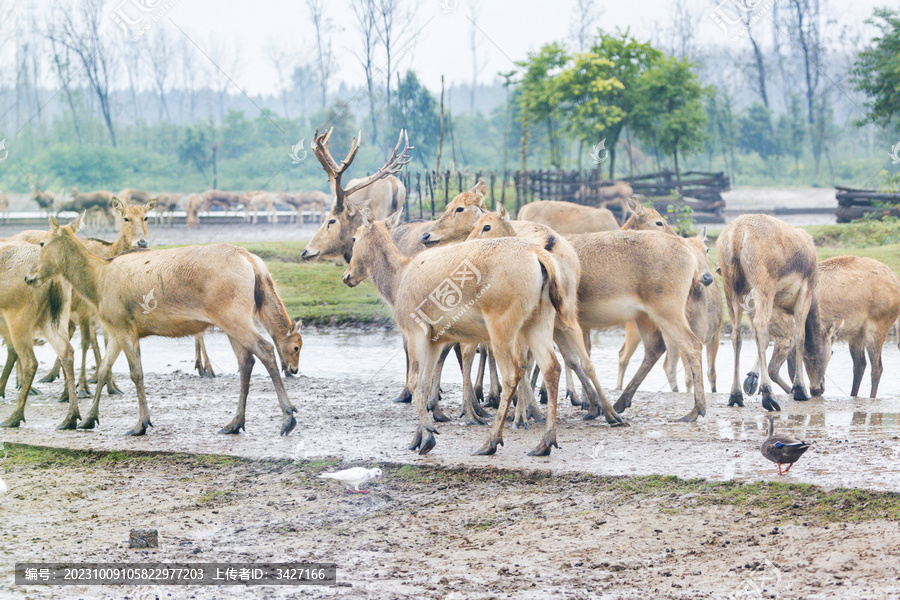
<point>193,288</point>
<point>768,265</point>
<point>29,310</point>
<point>859,301</point>
<point>387,194</point>
<point>504,291</point>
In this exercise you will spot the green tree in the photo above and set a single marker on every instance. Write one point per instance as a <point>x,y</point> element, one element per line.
<point>416,110</point>
<point>194,148</point>
<point>540,97</point>
<point>757,134</point>
<point>670,115</point>
<point>877,69</point>
<point>628,59</point>
<point>792,131</point>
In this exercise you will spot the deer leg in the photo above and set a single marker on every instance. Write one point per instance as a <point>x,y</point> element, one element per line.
<point>779,354</point>
<point>873,347</point>
<point>629,346</point>
<point>670,365</point>
<point>434,404</point>
<point>95,348</point>
<point>52,375</point>
<point>540,341</point>
<point>736,312</point>
<point>479,378</point>
<point>571,394</point>
<point>201,358</point>
<point>511,365</point>
<point>759,320</point>
<point>58,337</point>
<point>858,356</point>
<point>424,357</point>
<point>712,351</point>
<point>405,396</point>
<point>28,362</point>
<point>801,310</point>
<point>472,411</point>
<point>82,388</point>
<point>11,358</point>
<point>654,346</point>
<point>245,367</point>
<point>524,395</point>
<point>265,352</point>
<point>571,344</point>
<point>132,350</point>
<point>678,333</point>
<point>104,372</point>
<point>493,400</point>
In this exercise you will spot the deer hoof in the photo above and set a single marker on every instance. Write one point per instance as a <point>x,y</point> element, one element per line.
<point>493,401</point>
<point>475,421</point>
<point>572,397</point>
<point>479,394</point>
<point>64,397</point>
<point>405,397</point>
<point>546,444</point>
<point>750,383</point>
<point>424,439</point>
<point>614,420</point>
<point>689,418</point>
<point>140,428</point>
<point>736,399</point>
<point>799,393</point>
<point>543,396</point>
<point>83,392</point>
<point>520,424</point>
<point>288,425</point>
<point>479,410</point>
<point>13,421</point>
<point>489,448</point>
<point>768,401</point>
<point>90,422</point>
<point>438,415</point>
<point>112,390</point>
<point>70,423</point>
<point>34,392</point>
<point>48,378</point>
<point>233,428</point>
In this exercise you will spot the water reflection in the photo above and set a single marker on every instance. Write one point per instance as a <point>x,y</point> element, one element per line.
<point>832,424</point>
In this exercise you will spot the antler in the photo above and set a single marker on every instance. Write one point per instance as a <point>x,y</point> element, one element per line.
<point>334,172</point>
<point>393,165</point>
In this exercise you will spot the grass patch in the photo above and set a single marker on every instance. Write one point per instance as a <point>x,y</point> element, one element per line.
<point>213,496</point>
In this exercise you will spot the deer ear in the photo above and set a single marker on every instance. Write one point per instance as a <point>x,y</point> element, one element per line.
<point>501,210</point>
<point>479,190</point>
<point>152,203</point>
<point>54,225</point>
<point>295,328</point>
<point>703,235</point>
<point>366,218</point>
<point>75,225</point>
<point>350,209</point>
<point>117,204</point>
<point>636,207</point>
<point>393,220</point>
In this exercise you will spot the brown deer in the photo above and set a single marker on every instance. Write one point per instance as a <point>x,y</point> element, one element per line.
<point>99,200</point>
<point>503,291</point>
<point>175,293</point>
<point>29,310</point>
<point>568,334</point>
<point>768,265</point>
<point>192,205</point>
<point>226,200</point>
<point>617,193</point>
<point>333,238</point>
<point>45,200</point>
<point>704,313</point>
<point>166,205</point>
<point>616,267</point>
<point>257,200</point>
<point>859,301</point>
<point>134,196</point>
<point>4,207</point>
<point>567,217</point>
<point>315,201</point>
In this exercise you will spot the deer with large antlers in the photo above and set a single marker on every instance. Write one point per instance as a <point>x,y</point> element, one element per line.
<point>382,193</point>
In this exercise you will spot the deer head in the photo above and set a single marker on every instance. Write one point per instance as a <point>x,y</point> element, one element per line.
<point>334,236</point>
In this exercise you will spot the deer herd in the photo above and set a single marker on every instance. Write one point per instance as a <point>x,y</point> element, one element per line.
<point>475,281</point>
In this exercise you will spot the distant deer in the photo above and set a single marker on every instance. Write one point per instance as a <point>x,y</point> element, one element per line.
<point>192,288</point>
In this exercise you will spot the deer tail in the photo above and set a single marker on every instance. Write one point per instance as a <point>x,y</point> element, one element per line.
<point>548,266</point>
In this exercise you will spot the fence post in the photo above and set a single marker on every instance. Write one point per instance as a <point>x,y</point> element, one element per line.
<point>493,200</point>
<point>446,189</point>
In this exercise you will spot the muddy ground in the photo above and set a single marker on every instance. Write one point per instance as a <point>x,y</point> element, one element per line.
<point>450,525</point>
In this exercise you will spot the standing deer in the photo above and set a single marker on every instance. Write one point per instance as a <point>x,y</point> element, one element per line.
<point>28,310</point>
<point>768,265</point>
<point>4,207</point>
<point>192,206</point>
<point>315,201</point>
<point>257,200</point>
<point>166,205</point>
<point>567,217</point>
<point>192,288</point>
<point>859,301</point>
<point>227,200</point>
<point>504,291</point>
<point>381,193</point>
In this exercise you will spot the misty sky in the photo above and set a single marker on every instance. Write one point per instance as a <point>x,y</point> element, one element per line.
<point>437,42</point>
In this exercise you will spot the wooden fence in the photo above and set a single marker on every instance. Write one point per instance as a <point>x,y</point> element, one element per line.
<point>855,204</point>
<point>429,192</point>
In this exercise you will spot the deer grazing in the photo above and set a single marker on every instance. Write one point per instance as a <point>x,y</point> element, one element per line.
<point>192,288</point>
<point>768,265</point>
<point>226,200</point>
<point>704,313</point>
<point>315,201</point>
<point>382,193</point>
<point>859,301</point>
<point>134,196</point>
<point>567,217</point>
<point>29,310</point>
<point>504,291</point>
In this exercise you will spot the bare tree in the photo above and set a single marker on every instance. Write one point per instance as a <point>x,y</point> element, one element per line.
<point>282,61</point>
<point>587,13</point>
<point>474,43</point>
<point>132,59</point>
<point>62,66</point>
<point>684,22</point>
<point>159,56</point>
<point>387,13</point>
<point>758,57</point>
<point>193,74</point>
<point>366,15</point>
<point>226,58</point>
<point>78,29</point>
<point>805,27</point>
<point>325,55</point>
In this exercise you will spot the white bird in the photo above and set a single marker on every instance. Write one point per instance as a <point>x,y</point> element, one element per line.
<point>3,487</point>
<point>353,478</point>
